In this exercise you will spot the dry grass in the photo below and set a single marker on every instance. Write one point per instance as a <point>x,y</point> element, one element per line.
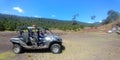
<point>82,47</point>
<point>6,55</point>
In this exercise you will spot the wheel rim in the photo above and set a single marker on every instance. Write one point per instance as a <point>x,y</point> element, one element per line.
<point>16,49</point>
<point>55,49</point>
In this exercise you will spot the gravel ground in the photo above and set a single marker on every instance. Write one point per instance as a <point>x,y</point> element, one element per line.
<point>79,46</point>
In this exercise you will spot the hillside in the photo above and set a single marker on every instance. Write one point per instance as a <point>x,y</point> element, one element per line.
<point>12,22</point>
<point>106,27</point>
<point>107,23</point>
<point>112,19</point>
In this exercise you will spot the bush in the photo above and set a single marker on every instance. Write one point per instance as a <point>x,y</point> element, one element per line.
<point>2,27</point>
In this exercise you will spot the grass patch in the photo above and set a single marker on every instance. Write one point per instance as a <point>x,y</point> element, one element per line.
<point>6,55</point>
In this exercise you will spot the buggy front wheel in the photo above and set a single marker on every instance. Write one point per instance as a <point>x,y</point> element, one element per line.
<point>56,48</point>
<point>17,48</point>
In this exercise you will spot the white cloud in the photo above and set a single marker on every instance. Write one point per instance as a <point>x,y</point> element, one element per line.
<point>100,21</point>
<point>38,16</point>
<point>90,22</point>
<point>18,9</point>
<point>53,15</point>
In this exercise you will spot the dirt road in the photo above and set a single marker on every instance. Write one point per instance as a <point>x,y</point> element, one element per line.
<point>79,46</point>
<point>5,44</point>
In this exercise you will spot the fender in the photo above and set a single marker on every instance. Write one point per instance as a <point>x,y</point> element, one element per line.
<point>53,42</point>
<point>15,40</point>
<point>18,41</point>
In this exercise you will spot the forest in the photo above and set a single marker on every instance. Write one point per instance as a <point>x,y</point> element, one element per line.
<point>12,22</point>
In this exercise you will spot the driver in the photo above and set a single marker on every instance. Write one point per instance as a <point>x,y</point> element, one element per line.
<point>41,34</point>
<point>32,36</point>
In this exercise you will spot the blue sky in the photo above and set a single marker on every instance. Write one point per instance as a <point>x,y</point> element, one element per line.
<point>60,9</point>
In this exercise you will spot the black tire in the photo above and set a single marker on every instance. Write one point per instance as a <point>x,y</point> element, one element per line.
<point>118,33</point>
<point>63,47</point>
<point>17,48</point>
<point>56,48</point>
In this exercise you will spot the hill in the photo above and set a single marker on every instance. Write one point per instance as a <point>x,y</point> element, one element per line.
<point>112,19</point>
<point>107,23</point>
<point>12,22</point>
<point>108,26</point>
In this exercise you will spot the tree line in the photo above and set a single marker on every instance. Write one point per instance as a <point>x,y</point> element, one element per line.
<point>12,22</point>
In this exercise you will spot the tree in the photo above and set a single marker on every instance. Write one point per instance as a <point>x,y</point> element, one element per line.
<point>2,27</point>
<point>112,16</point>
<point>93,17</point>
<point>74,19</point>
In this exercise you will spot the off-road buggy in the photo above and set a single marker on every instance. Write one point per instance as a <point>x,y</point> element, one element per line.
<point>36,38</point>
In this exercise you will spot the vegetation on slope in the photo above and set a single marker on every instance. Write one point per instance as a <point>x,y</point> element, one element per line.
<point>12,22</point>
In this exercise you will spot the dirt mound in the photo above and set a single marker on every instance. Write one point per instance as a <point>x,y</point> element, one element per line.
<point>103,28</point>
<point>108,26</point>
<point>88,29</point>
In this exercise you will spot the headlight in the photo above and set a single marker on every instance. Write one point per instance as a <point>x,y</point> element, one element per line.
<point>53,38</point>
<point>48,38</point>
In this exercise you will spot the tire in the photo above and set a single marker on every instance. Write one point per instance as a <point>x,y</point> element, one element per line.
<point>56,48</point>
<point>63,47</point>
<point>17,48</point>
<point>118,33</point>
